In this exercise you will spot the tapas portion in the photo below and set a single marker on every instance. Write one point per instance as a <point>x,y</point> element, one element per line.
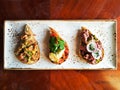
<point>27,51</point>
<point>58,48</point>
<point>91,48</point>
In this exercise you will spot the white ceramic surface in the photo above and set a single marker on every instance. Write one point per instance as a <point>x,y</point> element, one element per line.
<point>105,30</point>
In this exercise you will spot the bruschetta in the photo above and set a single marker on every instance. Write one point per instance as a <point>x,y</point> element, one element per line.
<point>91,48</point>
<point>27,51</point>
<point>58,48</point>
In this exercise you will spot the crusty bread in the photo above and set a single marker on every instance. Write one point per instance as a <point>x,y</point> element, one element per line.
<point>27,51</point>
<point>92,38</point>
<point>66,52</point>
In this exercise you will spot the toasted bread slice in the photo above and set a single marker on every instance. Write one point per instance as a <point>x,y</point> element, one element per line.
<point>27,51</point>
<point>59,50</point>
<point>91,48</point>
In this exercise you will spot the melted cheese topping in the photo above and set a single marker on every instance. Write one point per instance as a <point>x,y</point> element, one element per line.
<point>56,56</point>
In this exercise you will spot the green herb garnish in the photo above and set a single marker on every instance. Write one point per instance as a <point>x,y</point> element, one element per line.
<point>61,44</point>
<point>56,44</point>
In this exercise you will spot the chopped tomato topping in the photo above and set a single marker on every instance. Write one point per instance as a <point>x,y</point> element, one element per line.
<point>54,35</point>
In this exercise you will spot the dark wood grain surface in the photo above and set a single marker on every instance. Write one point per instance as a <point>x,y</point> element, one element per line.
<point>59,79</point>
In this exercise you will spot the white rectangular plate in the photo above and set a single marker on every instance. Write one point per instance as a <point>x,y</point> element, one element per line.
<point>105,30</point>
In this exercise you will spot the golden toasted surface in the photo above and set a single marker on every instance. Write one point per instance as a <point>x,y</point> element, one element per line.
<point>28,50</point>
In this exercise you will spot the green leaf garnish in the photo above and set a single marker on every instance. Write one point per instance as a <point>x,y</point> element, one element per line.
<point>52,40</point>
<point>61,44</point>
<point>56,44</point>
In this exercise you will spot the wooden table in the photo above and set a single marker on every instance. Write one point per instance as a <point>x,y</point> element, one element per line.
<point>59,79</point>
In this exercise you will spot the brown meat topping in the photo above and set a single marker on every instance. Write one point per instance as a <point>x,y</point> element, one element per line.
<point>85,35</point>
